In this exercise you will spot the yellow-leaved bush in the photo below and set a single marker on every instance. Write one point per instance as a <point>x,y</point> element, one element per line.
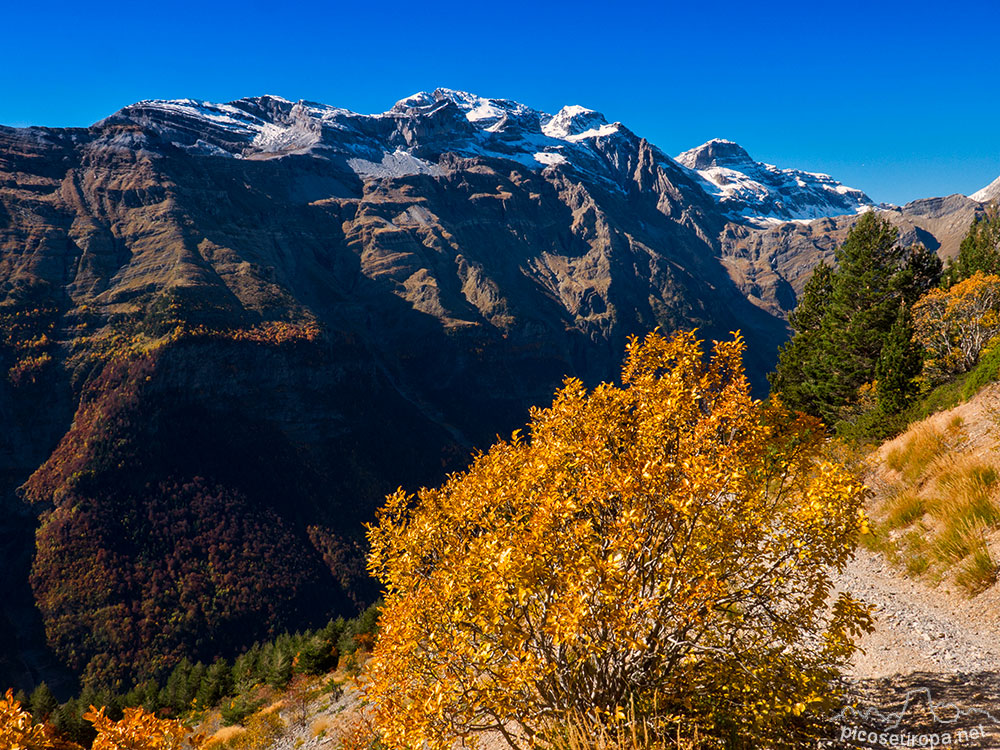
<point>137,730</point>
<point>662,549</point>
<point>18,730</point>
<point>955,325</point>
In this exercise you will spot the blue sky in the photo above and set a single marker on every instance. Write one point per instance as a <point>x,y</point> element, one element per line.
<point>898,99</point>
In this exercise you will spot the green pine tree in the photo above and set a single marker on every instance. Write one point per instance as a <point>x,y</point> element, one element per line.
<point>280,668</point>
<point>979,251</point>
<point>218,682</point>
<point>920,273</point>
<point>69,722</point>
<point>846,315</point>
<point>43,703</point>
<point>899,363</point>
<point>789,378</point>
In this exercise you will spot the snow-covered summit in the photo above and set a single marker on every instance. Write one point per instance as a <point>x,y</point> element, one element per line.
<point>989,193</point>
<point>574,120</point>
<point>763,193</point>
<point>405,139</point>
<point>717,152</point>
<point>412,136</point>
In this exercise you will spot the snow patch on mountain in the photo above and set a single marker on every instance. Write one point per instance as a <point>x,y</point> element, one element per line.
<point>396,164</point>
<point>988,193</point>
<point>550,158</point>
<point>763,193</point>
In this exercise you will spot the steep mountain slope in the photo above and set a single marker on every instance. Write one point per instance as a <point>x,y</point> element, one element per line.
<point>771,264</point>
<point>763,194</point>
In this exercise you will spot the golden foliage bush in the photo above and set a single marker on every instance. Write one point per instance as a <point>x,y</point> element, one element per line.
<point>137,730</point>
<point>18,730</point>
<point>140,730</point>
<point>665,545</point>
<point>955,325</point>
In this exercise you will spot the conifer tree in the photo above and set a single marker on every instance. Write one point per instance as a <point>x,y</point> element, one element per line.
<point>898,365</point>
<point>979,251</point>
<point>43,703</point>
<point>791,377</point>
<point>921,272</point>
<point>862,309</point>
<point>217,683</point>
<point>846,315</point>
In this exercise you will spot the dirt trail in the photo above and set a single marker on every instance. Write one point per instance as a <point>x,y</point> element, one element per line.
<point>931,670</point>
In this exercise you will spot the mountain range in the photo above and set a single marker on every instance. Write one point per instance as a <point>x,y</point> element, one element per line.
<point>228,330</point>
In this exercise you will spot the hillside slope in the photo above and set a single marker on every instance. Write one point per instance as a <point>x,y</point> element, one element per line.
<point>276,312</point>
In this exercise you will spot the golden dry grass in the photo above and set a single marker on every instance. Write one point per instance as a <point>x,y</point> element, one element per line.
<point>940,506</point>
<point>223,737</point>
<point>629,734</point>
<point>924,443</point>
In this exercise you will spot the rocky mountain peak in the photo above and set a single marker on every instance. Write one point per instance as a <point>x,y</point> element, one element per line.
<point>717,152</point>
<point>753,192</point>
<point>486,113</point>
<point>573,120</point>
<point>411,137</point>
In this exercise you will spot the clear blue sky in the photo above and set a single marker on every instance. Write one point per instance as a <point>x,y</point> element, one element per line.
<point>899,99</point>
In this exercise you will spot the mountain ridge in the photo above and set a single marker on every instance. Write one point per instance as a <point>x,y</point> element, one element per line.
<point>269,126</point>
<point>762,194</point>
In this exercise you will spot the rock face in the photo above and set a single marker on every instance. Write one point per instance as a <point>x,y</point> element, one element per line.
<point>282,311</point>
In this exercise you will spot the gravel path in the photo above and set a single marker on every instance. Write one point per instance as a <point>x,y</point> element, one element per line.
<point>933,651</point>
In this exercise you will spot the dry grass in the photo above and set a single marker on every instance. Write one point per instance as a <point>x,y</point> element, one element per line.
<point>904,508</point>
<point>926,443</point>
<point>940,506</point>
<point>978,571</point>
<point>323,726</point>
<point>224,737</point>
<point>630,733</point>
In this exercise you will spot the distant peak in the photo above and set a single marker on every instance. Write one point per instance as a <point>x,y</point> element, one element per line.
<point>988,193</point>
<point>573,120</point>
<point>482,111</point>
<point>717,152</point>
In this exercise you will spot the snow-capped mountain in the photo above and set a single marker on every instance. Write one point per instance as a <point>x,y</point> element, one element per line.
<point>763,193</point>
<point>410,137</point>
<point>989,193</point>
<point>404,140</point>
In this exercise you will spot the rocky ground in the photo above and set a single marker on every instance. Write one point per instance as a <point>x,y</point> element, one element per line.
<point>934,651</point>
